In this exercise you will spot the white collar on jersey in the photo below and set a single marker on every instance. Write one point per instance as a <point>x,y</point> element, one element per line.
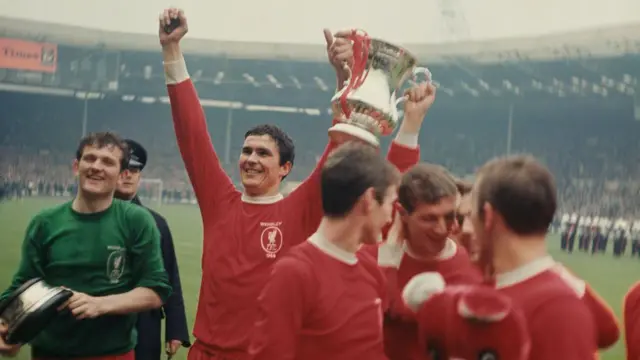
<point>450,249</point>
<point>525,272</point>
<point>264,200</point>
<point>324,245</point>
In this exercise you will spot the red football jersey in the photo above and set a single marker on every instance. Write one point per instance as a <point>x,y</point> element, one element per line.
<point>400,326</point>
<point>243,236</point>
<point>321,303</point>
<point>560,323</point>
<point>631,315</point>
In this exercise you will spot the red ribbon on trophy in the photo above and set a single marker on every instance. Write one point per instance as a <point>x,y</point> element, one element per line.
<point>361,43</point>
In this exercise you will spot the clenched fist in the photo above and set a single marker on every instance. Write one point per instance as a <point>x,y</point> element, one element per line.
<point>418,101</point>
<point>174,37</point>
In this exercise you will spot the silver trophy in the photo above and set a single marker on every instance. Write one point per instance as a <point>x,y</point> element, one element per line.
<point>366,107</point>
<point>30,308</point>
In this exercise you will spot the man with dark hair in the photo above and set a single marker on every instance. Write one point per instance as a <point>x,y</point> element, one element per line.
<point>418,241</point>
<point>150,322</point>
<point>606,321</point>
<point>325,299</point>
<point>105,250</point>
<point>513,204</point>
<point>245,232</point>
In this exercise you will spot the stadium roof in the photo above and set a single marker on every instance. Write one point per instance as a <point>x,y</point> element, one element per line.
<point>595,43</point>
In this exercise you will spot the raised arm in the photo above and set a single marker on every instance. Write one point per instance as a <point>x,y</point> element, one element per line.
<point>211,184</point>
<point>305,200</point>
<point>404,151</point>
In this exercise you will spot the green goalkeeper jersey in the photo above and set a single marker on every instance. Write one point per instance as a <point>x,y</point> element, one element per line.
<point>106,253</point>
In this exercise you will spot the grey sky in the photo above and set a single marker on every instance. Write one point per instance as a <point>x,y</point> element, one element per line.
<point>302,21</point>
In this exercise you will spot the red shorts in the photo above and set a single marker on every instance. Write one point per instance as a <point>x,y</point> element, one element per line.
<point>201,351</point>
<point>128,356</point>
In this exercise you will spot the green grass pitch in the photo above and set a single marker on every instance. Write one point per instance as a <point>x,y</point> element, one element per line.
<point>610,277</point>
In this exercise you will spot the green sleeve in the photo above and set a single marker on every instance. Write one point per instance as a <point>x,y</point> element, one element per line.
<point>148,268</point>
<point>32,260</point>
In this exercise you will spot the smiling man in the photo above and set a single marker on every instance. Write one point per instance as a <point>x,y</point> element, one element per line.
<point>417,242</point>
<point>106,250</point>
<point>150,322</point>
<point>245,232</point>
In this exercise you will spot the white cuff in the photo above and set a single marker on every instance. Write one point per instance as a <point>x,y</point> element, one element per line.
<point>421,287</point>
<point>407,139</point>
<point>175,71</point>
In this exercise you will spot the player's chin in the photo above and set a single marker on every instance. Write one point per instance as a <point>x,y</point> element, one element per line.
<point>96,189</point>
<point>252,181</point>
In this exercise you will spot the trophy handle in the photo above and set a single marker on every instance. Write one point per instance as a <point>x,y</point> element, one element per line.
<point>422,71</point>
<point>414,74</point>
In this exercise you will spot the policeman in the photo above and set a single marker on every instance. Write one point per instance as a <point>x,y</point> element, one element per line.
<point>149,323</point>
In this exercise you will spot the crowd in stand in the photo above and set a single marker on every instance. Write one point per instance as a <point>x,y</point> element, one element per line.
<point>608,188</point>
<point>595,161</point>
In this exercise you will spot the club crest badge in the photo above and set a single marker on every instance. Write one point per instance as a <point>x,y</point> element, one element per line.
<point>271,241</point>
<point>116,263</point>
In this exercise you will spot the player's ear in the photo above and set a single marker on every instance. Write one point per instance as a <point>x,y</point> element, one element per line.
<point>75,167</point>
<point>489,216</point>
<point>367,201</point>
<point>285,169</point>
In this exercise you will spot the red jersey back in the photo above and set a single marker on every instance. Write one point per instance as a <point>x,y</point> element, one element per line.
<point>560,323</point>
<point>321,303</point>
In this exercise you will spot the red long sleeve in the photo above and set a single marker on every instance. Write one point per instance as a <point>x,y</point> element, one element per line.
<point>608,329</point>
<point>403,157</point>
<point>210,182</point>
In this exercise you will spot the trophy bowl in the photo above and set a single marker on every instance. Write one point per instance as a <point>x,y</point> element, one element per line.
<point>366,107</point>
<point>30,308</point>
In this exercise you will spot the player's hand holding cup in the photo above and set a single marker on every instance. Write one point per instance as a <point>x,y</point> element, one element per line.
<point>340,54</point>
<point>7,350</point>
